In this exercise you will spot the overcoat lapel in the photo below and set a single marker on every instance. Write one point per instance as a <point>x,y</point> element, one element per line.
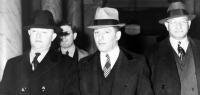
<point>121,75</point>
<point>167,63</point>
<point>25,71</point>
<point>90,76</point>
<point>196,49</point>
<point>45,65</point>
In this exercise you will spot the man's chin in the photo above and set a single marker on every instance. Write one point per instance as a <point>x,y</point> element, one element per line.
<point>102,49</point>
<point>38,47</point>
<point>65,46</point>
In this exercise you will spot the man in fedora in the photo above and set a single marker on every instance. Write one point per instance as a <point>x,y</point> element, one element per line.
<point>175,61</point>
<point>112,70</point>
<point>40,71</point>
<point>67,47</point>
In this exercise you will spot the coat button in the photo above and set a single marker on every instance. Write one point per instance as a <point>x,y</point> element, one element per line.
<point>24,89</point>
<point>44,91</point>
<point>163,86</point>
<point>43,88</point>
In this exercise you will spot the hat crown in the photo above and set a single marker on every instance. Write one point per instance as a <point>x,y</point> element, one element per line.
<point>106,13</point>
<point>177,9</point>
<point>106,17</point>
<point>43,18</point>
<point>176,6</point>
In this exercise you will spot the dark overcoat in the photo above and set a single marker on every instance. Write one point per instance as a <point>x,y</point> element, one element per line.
<point>131,77</point>
<point>53,76</point>
<point>165,77</point>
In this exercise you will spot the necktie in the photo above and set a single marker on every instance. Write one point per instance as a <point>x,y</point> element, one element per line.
<point>107,67</point>
<point>181,51</point>
<point>35,61</point>
<point>67,53</point>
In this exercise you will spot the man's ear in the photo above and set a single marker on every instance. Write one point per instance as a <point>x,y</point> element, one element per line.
<point>54,36</point>
<point>75,35</point>
<point>189,23</point>
<point>29,32</point>
<point>166,25</point>
<point>118,35</point>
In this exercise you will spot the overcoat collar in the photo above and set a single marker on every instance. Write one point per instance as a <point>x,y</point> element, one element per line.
<point>122,75</point>
<point>166,57</point>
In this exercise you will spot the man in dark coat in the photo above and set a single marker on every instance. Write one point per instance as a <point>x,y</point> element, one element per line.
<point>112,70</point>
<point>40,71</point>
<point>175,61</point>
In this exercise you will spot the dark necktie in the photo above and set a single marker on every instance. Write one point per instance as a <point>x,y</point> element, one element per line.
<point>67,53</point>
<point>107,67</point>
<point>35,61</point>
<point>181,51</point>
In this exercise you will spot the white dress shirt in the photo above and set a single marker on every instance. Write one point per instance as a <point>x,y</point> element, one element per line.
<point>71,50</point>
<point>174,43</point>
<point>32,55</point>
<point>113,54</point>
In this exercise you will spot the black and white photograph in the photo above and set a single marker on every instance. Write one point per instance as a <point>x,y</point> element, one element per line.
<point>100,47</point>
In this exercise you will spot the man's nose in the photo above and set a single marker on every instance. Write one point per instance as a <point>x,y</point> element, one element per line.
<point>179,26</point>
<point>63,38</point>
<point>101,37</point>
<point>38,35</point>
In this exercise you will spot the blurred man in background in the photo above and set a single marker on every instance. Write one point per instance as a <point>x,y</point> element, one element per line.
<point>67,45</point>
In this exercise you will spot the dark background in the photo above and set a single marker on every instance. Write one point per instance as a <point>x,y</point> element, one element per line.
<point>145,13</point>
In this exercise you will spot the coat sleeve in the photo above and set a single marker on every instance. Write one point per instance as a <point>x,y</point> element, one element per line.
<point>144,86</point>
<point>5,84</point>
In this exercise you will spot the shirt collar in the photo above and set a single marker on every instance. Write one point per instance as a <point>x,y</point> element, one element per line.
<point>71,50</point>
<point>113,54</point>
<point>174,43</point>
<point>42,55</point>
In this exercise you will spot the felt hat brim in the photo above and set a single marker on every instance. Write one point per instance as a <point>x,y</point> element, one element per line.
<point>56,29</point>
<point>162,21</point>
<point>104,26</point>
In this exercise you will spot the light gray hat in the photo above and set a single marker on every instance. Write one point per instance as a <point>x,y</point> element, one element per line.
<point>106,17</point>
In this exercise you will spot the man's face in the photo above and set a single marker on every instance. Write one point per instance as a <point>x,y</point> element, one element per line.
<point>67,40</point>
<point>41,38</point>
<point>106,38</point>
<point>178,27</point>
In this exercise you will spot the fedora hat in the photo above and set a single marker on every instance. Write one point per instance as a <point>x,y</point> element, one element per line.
<point>43,19</point>
<point>176,9</point>
<point>106,17</point>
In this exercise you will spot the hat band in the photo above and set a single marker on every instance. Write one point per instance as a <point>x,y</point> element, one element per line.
<point>177,12</point>
<point>106,22</point>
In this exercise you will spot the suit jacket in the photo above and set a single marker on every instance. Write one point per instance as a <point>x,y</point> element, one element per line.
<point>132,76</point>
<point>165,77</point>
<point>53,76</point>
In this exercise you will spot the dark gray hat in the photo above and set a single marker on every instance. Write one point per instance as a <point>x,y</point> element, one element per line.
<point>176,9</point>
